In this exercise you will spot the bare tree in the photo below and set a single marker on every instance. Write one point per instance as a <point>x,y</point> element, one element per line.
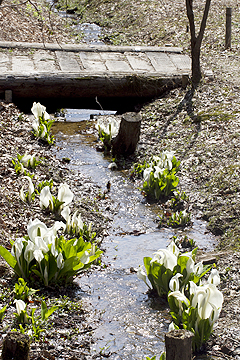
<point>196,40</point>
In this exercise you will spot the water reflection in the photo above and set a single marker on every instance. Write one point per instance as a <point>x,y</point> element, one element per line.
<point>133,325</point>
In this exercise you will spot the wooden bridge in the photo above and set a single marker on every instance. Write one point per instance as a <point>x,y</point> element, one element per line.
<point>81,71</point>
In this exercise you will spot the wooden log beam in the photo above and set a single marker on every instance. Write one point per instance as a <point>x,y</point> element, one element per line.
<point>87,85</point>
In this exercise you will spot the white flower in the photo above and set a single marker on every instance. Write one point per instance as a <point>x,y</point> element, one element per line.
<point>174,282</point>
<point>20,306</point>
<point>66,213</point>
<point>85,258</point>
<point>30,190</point>
<point>167,157</point>
<point>38,255</point>
<point>46,116</point>
<point>17,248</point>
<point>190,266</point>
<point>36,228</point>
<point>180,298</point>
<point>77,223</point>
<point>93,250</point>
<point>109,127</point>
<point>198,268</point>
<point>206,298</point>
<point>60,261</point>
<point>147,173</point>
<point>53,249</point>
<point>113,128</point>
<point>44,132</point>
<point>65,194</point>
<point>173,248</point>
<point>171,326</point>
<point>27,159</point>
<point>49,238</point>
<point>213,299</point>
<point>38,110</point>
<point>28,253</point>
<point>41,245</point>
<point>74,221</point>
<point>214,277</point>
<point>166,258</point>
<point>35,125</point>
<point>16,251</point>
<point>141,274</point>
<point>46,198</point>
<point>158,171</point>
<point>22,194</point>
<point>57,226</point>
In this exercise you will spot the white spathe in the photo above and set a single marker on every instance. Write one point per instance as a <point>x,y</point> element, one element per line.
<point>41,245</point>
<point>85,258</point>
<point>46,199</point>
<point>173,248</point>
<point>174,282</point>
<point>166,258</point>
<point>38,255</point>
<point>28,253</point>
<point>36,228</point>
<point>30,190</point>
<point>65,194</point>
<point>180,298</point>
<point>147,173</point>
<point>20,306</point>
<point>27,159</point>
<point>38,110</point>
<point>214,277</point>
<point>35,125</point>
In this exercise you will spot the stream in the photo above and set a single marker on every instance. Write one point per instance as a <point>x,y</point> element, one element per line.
<point>132,323</point>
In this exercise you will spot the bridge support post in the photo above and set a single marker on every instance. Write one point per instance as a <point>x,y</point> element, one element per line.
<point>8,96</point>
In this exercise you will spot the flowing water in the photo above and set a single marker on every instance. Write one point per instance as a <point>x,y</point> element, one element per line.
<point>132,323</point>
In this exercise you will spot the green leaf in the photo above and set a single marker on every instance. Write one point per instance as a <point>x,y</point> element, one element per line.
<point>10,259</point>
<point>45,312</point>
<point>2,311</point>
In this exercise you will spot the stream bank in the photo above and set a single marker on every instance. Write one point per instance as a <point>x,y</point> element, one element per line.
<point>204,131</point>
<point>16,130</point>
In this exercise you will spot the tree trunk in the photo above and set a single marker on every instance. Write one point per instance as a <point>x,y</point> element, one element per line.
<point>126,141</point>
<point>196,67</point>
<point>196,41</point>
<point>178,345</point>
<point>16,346</point>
